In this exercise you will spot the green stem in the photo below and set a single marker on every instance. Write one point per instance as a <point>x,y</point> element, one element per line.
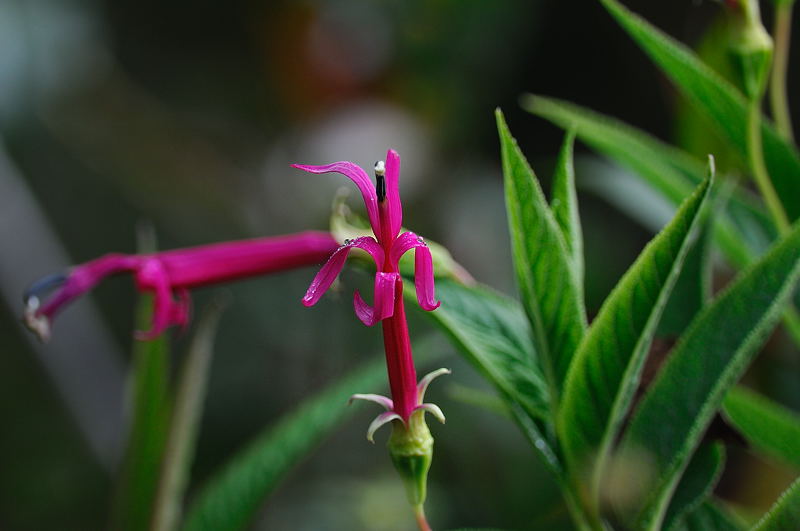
<point>585,518</point>
<point>782,33</point>
<point>755,154</point>
<point>182,438</point>
<point>419,513</point>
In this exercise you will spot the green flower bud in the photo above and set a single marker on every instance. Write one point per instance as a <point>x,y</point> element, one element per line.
<point>411,449</point>
<point>751,46</point>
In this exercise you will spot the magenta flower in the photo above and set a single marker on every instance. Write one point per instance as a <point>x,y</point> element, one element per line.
<point>385,215</point>
<point>169,275</point>
<point>411,444</point>
<point>386,248</point>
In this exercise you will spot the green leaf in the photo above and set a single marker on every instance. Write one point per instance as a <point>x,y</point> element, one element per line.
<point>668,169</point>
<point>493,334</point>
<point>742,233</point>
<point>605,371</point>
<point>547,280</point>
<point>785,514</point>
<point>708,517</point>
<point>718,99</point>
<point>151,404</point>
<point>770,428</point>
<point>712,354</point>
<point>234,495</point>
<point>182,438</point>
<point>692,288</point>
<point>698,481</point>
<point>564,205</point>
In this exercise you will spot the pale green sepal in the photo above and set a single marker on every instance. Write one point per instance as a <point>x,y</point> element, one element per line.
<point>433,409</point>
<point>381,400</point>
<point>423,384</point>
<point>379,421</point>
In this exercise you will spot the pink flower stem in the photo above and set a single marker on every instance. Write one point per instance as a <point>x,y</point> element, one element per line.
<point>399,359</point>
<point>397,345</point>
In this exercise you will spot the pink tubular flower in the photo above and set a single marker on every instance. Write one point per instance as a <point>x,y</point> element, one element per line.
<point>386,248</point>
<point>169,275</point>
<point>385,216</point>
<point>411,443</point>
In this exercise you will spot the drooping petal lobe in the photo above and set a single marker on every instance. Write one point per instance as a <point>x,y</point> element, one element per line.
<point>381,400</point>
<point>379,421</point>
<point>433,409</point>
<point>153,277</point>
<point>334,265</point>
<point>402,244</point>
<point>393,192</point>
<point>383,300</point>
<point>423,279</point>
<point>423,384</point>
<point>360,178</point>
<point>423,267</point>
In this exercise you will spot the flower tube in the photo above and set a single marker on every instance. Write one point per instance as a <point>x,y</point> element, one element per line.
<point>411,444</point>
<point>169,275</point>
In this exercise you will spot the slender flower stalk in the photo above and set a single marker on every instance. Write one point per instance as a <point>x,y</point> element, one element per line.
<point>410,445</point>
<point>169,275</point>
<point>752,49</point>
<point>782,32</point>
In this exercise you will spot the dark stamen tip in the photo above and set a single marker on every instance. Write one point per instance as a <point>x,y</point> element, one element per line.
<point>42,286</point>
<point>380,180</point>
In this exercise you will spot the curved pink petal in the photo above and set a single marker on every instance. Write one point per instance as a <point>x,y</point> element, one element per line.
<point>383,299</point>
<point>81,279</point>
<point>402,244</point>
<point>393,192</point>
<point>362,180</point>
<point>423,279</point>
<point>334,265</point>
<point>423,267</point>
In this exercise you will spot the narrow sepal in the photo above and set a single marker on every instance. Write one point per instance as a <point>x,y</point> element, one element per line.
<point>381,400</point>
<point>380,420</point>
<point>433,409</point>
<point>423,384</point>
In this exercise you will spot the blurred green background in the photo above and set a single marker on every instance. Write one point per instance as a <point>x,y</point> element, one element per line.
<point>186,115</point>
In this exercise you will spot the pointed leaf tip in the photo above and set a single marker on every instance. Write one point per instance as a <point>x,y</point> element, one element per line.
<point>607,366</point>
